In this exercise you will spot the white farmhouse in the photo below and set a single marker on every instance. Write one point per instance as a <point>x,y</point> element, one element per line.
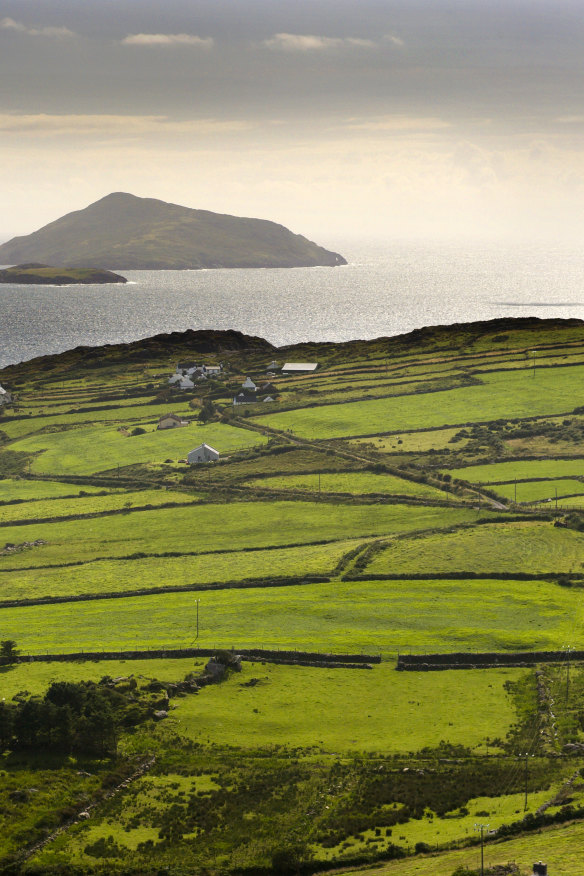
<point>186,383</point>
<point>5,396</point>
<point>202,453</point>
<point>249,384</point>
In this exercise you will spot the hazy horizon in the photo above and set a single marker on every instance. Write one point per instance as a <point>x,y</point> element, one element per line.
<point>412,118</point>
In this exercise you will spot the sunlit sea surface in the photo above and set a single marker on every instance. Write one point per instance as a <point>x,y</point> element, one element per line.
<point>384,290</point>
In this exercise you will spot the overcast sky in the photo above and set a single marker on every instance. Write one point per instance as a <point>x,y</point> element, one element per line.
<point>337,118</point>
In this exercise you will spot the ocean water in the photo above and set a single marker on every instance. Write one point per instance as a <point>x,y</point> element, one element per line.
<point>384,290</point>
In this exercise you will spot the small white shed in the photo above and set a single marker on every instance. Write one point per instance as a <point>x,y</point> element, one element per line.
<point>249,384</point>
<point>5,397</point>
<point>202,453</point>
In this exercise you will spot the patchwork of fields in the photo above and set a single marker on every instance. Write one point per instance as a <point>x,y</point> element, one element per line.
<point>377,508</point>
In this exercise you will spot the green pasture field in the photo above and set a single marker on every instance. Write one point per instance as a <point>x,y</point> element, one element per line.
<point>343,709</point>
<point>234,526</point>
<point>571,502</point>
<point>518,468</point>
<point>436,831</point>
<point>304,706</point>
<point>106,576</point>
<point>92,504</point>
<point>132,413</point>
<point>91,449</point>
<point>37,677</point>
<point>293,461</point>
<point>527,548</point>
<point>32,490</point>
<point>416,442</point>
<point>364,616</point>
<point>351,482</point>
<point>535,491</point>
<point>561,845</point>
<point>514,394</point>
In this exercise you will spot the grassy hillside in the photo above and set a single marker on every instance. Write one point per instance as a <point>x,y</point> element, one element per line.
<point>394,500</point>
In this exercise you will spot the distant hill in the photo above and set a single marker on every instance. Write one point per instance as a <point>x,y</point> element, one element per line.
<point>38,274</point>
<point>124,232</point>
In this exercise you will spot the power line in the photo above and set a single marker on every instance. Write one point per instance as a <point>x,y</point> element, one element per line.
<point>481,828</point>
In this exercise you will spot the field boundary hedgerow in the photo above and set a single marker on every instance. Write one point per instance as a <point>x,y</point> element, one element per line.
<point>248,583</point>
<point>482,660</point>
<point>305,658</point>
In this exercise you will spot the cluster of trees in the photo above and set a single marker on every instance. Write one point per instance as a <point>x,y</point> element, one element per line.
<point>71,717</point>
<point>8,652</point>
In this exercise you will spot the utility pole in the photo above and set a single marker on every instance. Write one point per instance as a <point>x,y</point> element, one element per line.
<point>516,491</point>
<point>481,828</point>
<point>197,602</point>
<point>556,501</point>
<point>568,652</point>
<point>525,758</point>
<point>534,352</point>
<point>319,485</point>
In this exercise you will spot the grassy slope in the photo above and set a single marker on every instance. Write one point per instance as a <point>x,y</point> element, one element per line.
<point>233,526</point>
<point>92,504</point>
<point>91,449</point>
<point>528,548</point>
<point>102,576</point>
<point>508,471</point>
<point>377,616</point>
<point>513,394</point>
<point>351,482</point>
<point>300,706</point>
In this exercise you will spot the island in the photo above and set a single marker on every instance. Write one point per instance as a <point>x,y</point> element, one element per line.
<point>35,274</point>
<point>129,233</point>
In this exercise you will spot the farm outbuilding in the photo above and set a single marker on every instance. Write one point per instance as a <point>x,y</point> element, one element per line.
<point>202,453</point>
<point>299,366</point>
<point>5,397</point>
<point>171,421</point>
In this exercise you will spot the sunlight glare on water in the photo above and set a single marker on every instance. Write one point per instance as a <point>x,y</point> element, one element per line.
<point>384,290</point>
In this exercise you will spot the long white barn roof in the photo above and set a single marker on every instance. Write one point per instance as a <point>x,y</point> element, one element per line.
<point>300,366</point>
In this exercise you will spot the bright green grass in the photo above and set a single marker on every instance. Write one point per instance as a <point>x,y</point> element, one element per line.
<point>418,442</point>
<point>561,846</point>
<point>32,490</point>
<point>512,394</point>
<point>101,448</point>
<point>376,616</point>
<point>303,706</point>
<point>571,502</point>
<point>535,491</point>
<point>351,482</point>
<point>344,709</point>
<point>530,548</point>
<point>439,831</point>
<point>508,471</point>
<point>36,677</point>
<point>233,526</point>
<point>129,413</point>
<point>104,576</point>
<point>92,504</point>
